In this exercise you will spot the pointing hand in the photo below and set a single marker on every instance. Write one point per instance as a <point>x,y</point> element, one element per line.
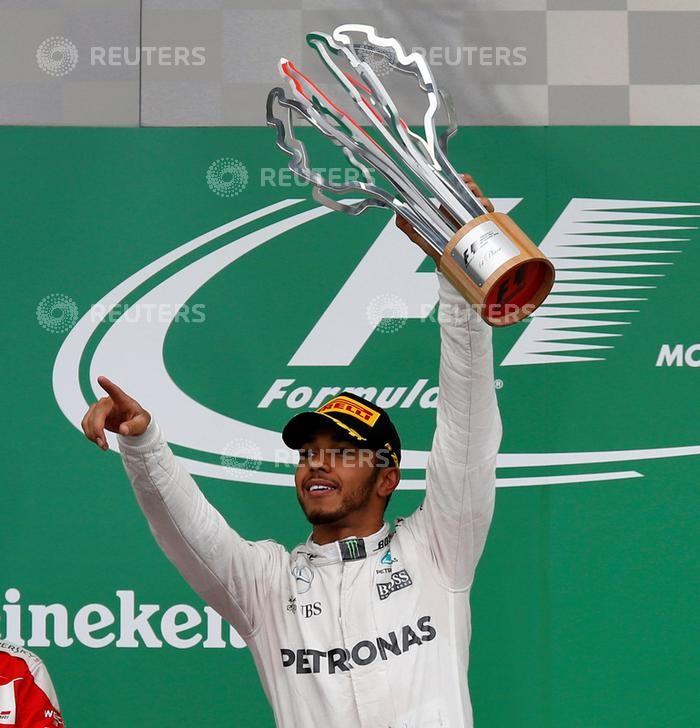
<point>117,413</point>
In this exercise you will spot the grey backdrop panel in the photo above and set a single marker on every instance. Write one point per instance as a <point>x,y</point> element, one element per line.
<point>212,62</point>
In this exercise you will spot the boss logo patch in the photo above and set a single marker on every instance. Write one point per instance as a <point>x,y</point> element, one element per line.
<point>399,580</point>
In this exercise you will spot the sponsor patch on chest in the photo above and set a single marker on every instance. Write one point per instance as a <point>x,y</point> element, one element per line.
<point>366,651</point>
<point>399,580</point>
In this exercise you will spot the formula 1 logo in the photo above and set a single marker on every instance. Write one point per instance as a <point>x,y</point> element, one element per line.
<point>615,260</point>
<point>609,255</point>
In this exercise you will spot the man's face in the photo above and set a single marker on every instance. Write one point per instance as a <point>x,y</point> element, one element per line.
<point>334,479</point>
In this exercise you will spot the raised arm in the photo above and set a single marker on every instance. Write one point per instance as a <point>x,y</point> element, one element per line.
<point>460,476</point>
<point>228,572</point>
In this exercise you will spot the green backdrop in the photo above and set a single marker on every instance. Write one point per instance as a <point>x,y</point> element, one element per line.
<point>585,604</point>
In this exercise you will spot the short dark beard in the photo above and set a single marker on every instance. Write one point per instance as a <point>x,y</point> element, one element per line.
<point>348,505</point>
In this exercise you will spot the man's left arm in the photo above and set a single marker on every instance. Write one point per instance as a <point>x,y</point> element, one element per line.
<point>460,477</point>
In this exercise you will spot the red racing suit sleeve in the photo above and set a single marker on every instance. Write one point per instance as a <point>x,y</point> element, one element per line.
<point>461,471</point>
<point>27,695</point>
<point>231,574</point>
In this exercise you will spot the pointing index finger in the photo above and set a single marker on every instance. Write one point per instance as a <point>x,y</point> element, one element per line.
<point>116,393</point>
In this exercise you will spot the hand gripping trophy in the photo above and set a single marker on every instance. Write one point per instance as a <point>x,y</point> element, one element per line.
<point>485,255</point>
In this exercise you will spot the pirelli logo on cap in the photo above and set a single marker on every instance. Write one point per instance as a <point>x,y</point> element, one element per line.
<point>352,407</point>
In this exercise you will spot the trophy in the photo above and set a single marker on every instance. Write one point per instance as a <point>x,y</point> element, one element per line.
<point>485,255</point>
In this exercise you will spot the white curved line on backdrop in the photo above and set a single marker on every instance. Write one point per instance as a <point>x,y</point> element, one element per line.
<point>65,379</point>
<point>241,475</point>
<point>528,460</point>
<point>565,479</point>
<point>186,421</point>
<point>208,430</point>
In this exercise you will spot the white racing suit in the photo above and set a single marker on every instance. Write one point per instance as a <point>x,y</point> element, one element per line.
<point>359,633</point>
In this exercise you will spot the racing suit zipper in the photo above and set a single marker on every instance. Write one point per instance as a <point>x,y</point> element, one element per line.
<point>348,647</point>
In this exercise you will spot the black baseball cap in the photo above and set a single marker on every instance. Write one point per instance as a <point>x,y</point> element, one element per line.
<point>354,417</point>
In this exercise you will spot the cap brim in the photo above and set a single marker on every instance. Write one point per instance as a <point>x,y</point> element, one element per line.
<point>298,430</point>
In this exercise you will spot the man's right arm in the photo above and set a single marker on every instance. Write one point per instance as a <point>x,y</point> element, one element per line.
<point>228,572</point>
<point>231,574</point>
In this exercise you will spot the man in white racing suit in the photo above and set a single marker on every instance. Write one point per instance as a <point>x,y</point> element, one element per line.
<point>359,627</point>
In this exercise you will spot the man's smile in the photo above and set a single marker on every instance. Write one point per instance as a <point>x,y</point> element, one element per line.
<point>319,487</point>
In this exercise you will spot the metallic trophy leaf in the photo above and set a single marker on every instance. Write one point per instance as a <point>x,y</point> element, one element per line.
<point>486,256</point>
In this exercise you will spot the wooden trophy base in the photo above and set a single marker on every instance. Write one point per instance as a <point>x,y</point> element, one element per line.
<point>497,268</point>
